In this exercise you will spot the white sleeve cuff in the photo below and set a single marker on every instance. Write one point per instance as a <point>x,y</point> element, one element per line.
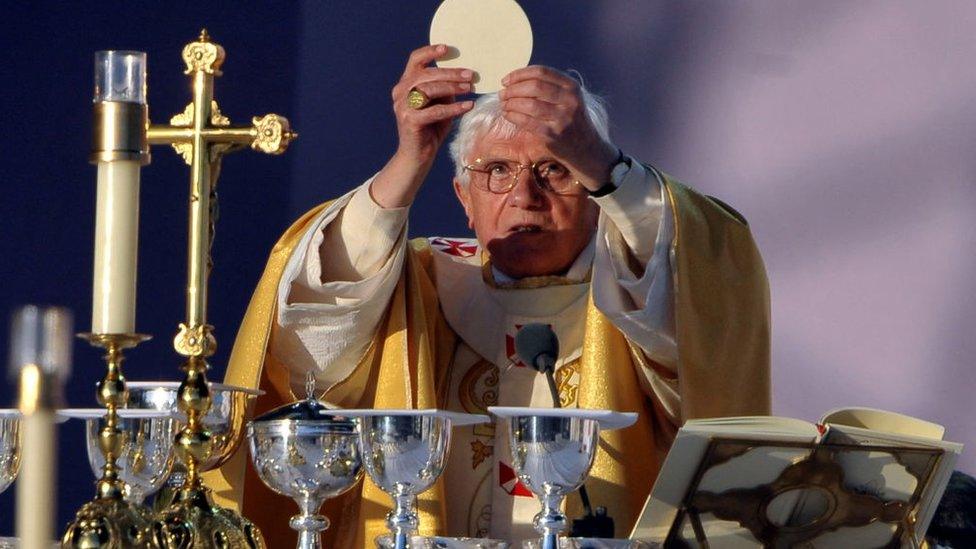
<point>636,208</point>
<point>367,232</point>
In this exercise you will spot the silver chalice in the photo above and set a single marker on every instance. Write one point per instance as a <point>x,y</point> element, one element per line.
<point>10,445</point>
<point>225,420</point>
<point>146,458</point>
<point>552,452</point>
<point>404,452</point>
<point>11,442</point>
<point>304,451</point>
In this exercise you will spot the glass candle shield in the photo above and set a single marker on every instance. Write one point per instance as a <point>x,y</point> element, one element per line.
<point>120,76</point>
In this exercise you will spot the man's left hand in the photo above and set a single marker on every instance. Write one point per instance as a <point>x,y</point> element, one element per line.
<point>549,103</point>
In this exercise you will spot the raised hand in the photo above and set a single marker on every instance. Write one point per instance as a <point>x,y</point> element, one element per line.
<point>549,103</point>
<point>421,131</point>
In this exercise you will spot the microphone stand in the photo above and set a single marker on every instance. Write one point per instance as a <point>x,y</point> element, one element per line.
<point>598,525</point>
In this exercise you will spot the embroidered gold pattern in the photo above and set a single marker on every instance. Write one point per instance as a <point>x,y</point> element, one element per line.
<point>567,383</point>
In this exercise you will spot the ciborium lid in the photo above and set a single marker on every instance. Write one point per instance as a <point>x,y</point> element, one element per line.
<point>307,409</point>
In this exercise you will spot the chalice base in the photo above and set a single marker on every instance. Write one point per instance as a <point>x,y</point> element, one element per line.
<point>193,521</point>
<point>109,523</point>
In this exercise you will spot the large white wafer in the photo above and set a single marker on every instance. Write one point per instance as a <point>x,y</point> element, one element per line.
<point>490,37</point>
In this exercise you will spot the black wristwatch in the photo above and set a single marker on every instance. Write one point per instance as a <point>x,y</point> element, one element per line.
<point>619,167</point>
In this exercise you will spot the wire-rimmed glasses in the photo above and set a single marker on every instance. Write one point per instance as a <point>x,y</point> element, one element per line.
<point>501,176</point>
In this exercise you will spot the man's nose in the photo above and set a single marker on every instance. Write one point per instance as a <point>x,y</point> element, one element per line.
<point>526,193</point>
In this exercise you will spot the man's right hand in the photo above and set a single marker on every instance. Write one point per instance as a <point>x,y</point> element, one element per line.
<point>421,131</point>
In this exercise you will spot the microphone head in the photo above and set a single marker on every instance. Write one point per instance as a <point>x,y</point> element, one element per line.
<point>537,345</point>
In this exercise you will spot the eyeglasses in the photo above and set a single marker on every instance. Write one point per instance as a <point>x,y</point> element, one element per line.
<point>501,176</point>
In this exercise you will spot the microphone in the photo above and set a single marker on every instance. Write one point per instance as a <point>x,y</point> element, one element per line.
<point>538,347</point>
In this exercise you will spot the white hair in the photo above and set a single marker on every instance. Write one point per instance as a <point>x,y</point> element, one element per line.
<point>486,118</point>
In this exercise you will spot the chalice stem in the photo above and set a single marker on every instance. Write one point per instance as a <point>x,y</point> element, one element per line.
<point>551,522</point>
<point>309,539</point>
<point>309,525</point>
<point>403,520</point>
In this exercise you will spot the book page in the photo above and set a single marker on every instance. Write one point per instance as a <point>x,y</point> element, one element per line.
<point>688,450</point>
<point>881,420</point>
<point>881,473</point>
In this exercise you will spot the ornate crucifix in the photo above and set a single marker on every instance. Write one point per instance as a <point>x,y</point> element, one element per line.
<point>202,135</point>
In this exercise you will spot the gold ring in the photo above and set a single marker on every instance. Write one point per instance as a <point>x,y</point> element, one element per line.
<point>417,99</point>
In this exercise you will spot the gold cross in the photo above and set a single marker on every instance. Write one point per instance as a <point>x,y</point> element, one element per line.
<point>202,135</point>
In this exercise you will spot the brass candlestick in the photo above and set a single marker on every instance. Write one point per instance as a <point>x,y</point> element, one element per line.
<point>109,521</point>
<point>202,135</point>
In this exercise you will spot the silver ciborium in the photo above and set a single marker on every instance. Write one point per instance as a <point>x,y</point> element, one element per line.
<point>310,454</point>
<point>146,456</point>
<point>552,452</point>
<point>404,452</point>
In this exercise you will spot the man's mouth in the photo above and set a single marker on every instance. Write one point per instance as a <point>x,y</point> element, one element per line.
<point>527,228</point>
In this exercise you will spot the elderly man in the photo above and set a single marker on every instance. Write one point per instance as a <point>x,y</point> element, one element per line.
<point>657,294</point>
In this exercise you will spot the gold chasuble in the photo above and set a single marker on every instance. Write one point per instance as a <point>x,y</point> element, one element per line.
<point>722,328</point>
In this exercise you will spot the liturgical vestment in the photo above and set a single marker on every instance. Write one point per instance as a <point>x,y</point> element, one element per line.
<point>665,313</point>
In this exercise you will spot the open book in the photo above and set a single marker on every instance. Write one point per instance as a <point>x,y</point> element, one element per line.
<point>859,478</point>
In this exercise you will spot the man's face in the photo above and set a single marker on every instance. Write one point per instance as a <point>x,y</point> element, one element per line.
<point>528,231</point>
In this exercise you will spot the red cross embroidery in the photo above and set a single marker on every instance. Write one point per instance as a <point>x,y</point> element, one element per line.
<point>510,348</point>
<point>509,482</point>
<point>458,248</point>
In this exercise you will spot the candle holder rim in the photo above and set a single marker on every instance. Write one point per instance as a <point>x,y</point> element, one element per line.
<point>214,385</point>
<point>124,340</point>
<point>122,51</point>
<point>124,413</point>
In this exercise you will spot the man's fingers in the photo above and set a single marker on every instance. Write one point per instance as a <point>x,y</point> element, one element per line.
<point>421,57</point>
<point>452,75</point>
<point>437,90</point>
<point>539,89</point>
<point>532,107</point>
<point>431,74</point>
<point>437,113</point>
<point>539,72</point>
<point>528,123</point>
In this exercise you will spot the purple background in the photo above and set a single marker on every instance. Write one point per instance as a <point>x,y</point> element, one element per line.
<point>843,131</point>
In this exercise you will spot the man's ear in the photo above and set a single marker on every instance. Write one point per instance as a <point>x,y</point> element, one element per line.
<point>465,199</point>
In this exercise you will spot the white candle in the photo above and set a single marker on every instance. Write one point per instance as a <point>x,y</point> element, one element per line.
<point>40,355</point>
<point>116,246</point>
<point>36,501</point>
